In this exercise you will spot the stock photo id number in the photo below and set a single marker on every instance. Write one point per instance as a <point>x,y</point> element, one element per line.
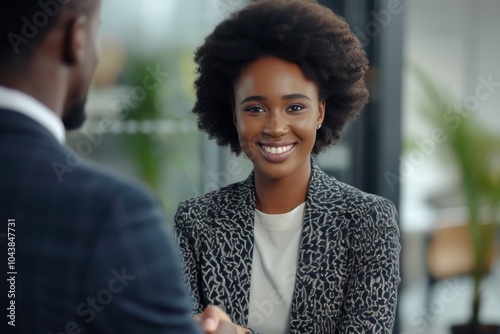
<point>11,272</point>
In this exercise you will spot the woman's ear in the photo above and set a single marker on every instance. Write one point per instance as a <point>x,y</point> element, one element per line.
<point>321,111</point>
<point>235,121</point>
<point>74,40</point>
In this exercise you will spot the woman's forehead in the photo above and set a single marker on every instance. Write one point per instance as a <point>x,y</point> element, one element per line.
<point>271,75</point>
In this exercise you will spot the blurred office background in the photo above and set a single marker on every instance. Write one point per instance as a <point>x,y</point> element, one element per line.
<point>140,124</point>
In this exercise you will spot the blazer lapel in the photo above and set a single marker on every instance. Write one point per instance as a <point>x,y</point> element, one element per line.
<point>323,203</point>
<point>234,230</point>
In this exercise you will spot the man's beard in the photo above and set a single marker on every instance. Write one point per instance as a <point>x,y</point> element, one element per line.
<point>75,117</point>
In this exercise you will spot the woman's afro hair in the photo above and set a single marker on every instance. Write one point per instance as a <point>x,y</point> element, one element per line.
<point>300,31</point>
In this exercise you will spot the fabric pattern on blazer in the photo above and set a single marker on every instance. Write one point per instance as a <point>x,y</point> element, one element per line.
<point>93,250</point>
<point>348,271</point>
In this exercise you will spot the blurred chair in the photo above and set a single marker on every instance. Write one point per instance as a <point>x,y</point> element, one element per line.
<point>449,252</point>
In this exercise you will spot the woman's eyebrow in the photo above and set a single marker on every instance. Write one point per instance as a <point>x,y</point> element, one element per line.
<point>284,97</point>
<point>295,96</point>
<point>253,98</point>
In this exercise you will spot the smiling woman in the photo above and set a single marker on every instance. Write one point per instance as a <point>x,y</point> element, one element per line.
<point>277,112</point>
<point>290,249</point>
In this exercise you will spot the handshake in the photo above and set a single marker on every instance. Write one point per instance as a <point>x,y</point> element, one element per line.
<point>215,321</point>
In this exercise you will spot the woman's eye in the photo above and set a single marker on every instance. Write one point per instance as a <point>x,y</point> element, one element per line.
<point>254,109</point>
<point>295,107</point>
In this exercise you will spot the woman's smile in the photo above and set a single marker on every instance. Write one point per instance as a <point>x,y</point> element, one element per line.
<point>276,152</point>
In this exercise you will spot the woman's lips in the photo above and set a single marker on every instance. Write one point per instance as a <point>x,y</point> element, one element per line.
<point>276,153</point>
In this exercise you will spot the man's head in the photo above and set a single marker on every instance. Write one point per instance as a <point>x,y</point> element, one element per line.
<point>49,49</point>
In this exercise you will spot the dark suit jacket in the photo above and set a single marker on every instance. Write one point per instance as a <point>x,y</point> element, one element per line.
<point>92,250</point>
<point>348,270</point>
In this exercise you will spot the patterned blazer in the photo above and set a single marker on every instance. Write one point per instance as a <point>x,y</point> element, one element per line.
<point>348,271</point>
<point>92,250</point>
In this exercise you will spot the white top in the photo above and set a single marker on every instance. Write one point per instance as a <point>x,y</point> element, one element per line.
<point>275,257</point>
<point>29,106</point>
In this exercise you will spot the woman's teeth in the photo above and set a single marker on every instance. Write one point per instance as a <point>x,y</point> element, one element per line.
<point>277,150</point>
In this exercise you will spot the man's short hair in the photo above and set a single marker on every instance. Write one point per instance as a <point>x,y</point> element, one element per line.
<point>25,23</point>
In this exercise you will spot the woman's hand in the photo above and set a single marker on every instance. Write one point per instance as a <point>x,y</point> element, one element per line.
<point>213,320</point>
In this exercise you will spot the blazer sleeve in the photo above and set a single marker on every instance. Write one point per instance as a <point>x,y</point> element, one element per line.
<point>370,304</point>
<point>188,244</point>
<point>135,280</point>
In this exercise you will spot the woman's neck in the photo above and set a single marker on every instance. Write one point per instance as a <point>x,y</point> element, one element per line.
<point>275,196</point>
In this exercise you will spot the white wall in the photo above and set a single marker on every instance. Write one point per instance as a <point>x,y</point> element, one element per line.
<point>456,42</point>
<point>152,25</point>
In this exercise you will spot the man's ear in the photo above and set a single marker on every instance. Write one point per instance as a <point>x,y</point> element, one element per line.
<point>74,40</point>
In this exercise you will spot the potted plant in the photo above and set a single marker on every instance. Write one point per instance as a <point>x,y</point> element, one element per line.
<point>477,154</point>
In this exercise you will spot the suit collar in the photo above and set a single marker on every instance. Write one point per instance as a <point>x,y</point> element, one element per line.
<point>16,123</point>
<point>25,104</point>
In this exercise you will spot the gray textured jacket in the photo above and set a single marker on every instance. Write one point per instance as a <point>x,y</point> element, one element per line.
<point>348,271</point>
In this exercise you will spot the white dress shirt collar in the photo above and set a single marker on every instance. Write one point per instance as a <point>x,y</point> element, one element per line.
<point>27,105</point>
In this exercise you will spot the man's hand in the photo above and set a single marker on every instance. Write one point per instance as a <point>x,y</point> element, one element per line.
<point>215,321</point>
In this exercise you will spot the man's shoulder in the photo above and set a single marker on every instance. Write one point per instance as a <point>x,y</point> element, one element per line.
<point>41,170</point>
<point>102,181</point>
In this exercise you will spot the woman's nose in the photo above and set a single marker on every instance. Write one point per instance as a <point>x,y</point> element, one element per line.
<point>276,125</point>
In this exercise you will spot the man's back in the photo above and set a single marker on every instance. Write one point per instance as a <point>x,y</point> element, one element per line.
<point>90,251</point>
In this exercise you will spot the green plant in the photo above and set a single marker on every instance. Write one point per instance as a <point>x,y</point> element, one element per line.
<point>142,146</point>
<point>477,154</point>
<point>166,156</point>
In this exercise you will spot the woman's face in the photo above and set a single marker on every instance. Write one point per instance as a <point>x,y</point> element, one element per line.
<point>277,112</point>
